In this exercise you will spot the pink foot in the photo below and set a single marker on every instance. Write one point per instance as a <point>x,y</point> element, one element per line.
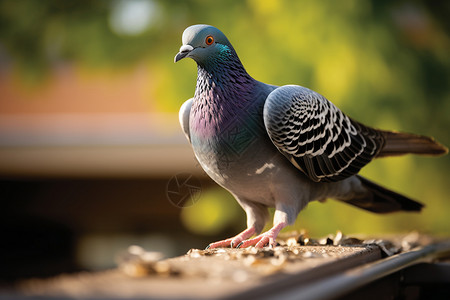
<point>264,238</point>
<point>234,241</point>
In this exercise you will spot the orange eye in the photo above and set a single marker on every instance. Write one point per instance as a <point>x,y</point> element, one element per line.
<point>209,40</point>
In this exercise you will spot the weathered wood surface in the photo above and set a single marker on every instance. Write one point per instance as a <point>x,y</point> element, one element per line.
<point>212,274</point>
<point>297,264</point>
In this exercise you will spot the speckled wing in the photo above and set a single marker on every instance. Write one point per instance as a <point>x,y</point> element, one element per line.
<point>316,136</point>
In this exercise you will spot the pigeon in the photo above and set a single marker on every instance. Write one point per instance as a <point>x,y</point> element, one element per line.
<point>281,146</point>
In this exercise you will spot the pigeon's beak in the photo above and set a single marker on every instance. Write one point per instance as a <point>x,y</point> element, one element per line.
<point>184,51</point>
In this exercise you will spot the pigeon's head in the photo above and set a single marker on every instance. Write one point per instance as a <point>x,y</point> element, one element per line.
<point>204,43</point>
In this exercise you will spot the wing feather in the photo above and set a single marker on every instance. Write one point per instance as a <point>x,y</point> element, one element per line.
<point>316,136</point>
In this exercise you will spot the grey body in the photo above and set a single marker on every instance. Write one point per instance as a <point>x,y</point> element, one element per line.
<point>257,173</point>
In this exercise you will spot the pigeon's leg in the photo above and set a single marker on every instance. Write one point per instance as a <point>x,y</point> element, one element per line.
<point>234,240</point>
<point>256,218</point>
<point>280,221</point>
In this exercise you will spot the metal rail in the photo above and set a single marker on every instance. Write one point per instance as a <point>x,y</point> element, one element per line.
<point>341,284</point>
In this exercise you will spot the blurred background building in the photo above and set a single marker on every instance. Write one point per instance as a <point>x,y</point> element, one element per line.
<point>89,134</point>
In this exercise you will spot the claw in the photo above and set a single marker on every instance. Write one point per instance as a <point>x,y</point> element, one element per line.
<point>239,245</point>
<point>207,247</point>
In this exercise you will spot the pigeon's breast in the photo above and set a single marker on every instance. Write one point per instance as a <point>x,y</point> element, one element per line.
<point>225,140</point>
<point>226,126</point>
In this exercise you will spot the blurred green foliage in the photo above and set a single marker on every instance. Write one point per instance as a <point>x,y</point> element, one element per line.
<point>385,63</point>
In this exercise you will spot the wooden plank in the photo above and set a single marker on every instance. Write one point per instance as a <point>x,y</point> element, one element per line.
<point>201,274</point>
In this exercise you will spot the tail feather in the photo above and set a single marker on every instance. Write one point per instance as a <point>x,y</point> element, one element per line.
<point>382,200</point>
<point>399,143</point>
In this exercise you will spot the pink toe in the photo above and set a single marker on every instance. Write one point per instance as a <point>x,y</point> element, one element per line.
<point>247,243</point>
<point>262,242</point>
<point>234,241</point>
<point>220,244</point>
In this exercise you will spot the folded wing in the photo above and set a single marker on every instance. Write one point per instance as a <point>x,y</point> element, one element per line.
<point>316,136</point>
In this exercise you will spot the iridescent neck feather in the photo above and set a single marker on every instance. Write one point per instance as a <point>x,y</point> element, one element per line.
<point>223,88</point>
